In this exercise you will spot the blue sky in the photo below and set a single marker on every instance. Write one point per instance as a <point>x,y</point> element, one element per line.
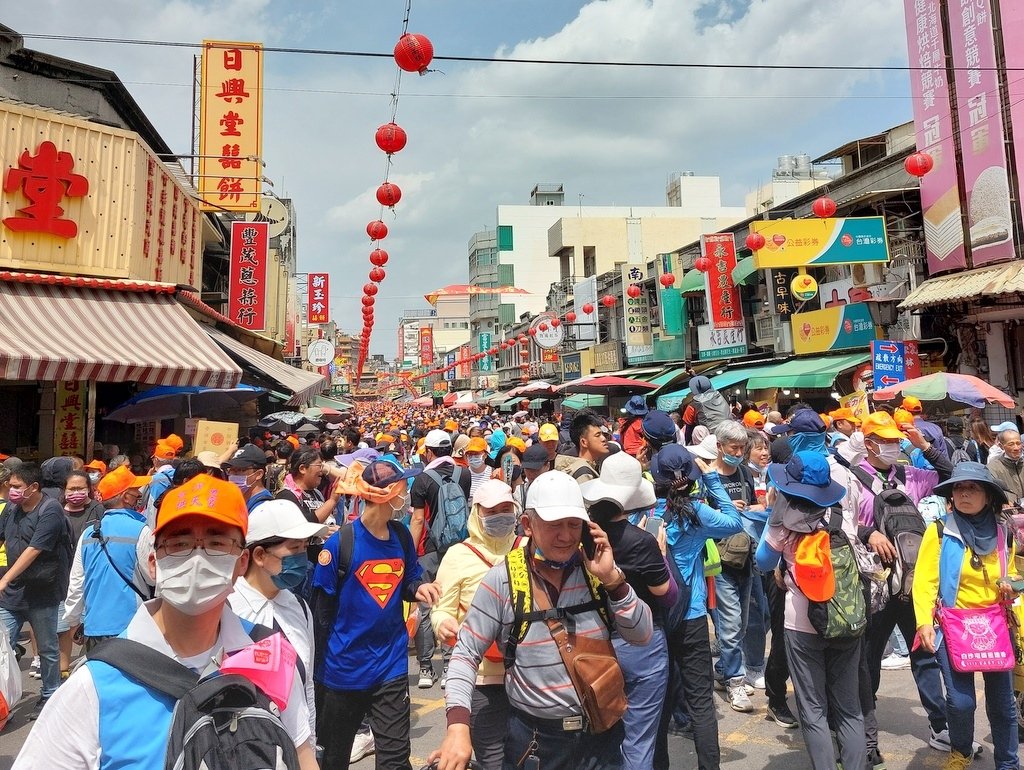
<point>483,134</point>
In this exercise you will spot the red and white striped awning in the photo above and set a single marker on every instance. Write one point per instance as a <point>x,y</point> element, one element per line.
<point>131,332</point>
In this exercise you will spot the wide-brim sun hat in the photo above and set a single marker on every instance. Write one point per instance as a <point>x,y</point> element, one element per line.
<point>621,482</point>
<point>807,475</point>
<point>976,472</point>
<point>707,449</point>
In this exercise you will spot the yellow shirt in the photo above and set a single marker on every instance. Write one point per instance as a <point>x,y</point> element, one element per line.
<point>977,586</point>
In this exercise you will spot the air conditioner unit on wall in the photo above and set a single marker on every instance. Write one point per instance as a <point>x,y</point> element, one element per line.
<point>766,329</point>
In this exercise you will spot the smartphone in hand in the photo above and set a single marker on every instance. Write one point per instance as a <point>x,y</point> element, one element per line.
<point>587,541</point>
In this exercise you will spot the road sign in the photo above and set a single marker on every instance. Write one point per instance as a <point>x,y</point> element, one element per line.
<point>888,360</point>
<point>320,352</point>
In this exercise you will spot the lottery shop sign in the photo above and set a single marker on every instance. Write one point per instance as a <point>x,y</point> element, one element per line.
<point>247,276</point>
<point>723,297</point>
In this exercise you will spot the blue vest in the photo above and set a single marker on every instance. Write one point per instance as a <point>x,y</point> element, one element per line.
<point>109,603</point>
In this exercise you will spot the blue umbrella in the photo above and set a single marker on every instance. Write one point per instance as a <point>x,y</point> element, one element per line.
<point>167,401</point>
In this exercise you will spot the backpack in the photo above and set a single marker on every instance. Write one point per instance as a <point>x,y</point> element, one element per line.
<point>844,616</point>
<point>966,452</point>
<point>449,523</point>
<point>220,722</point>
<point>899,519</point>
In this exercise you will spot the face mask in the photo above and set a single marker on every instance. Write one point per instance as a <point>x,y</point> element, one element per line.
<point>293,572</point>
<point>15,495</point>
<point>196,583</point>
<point>78,497</point>
<point>567,564</point>
<point>476,462</point>
<point>94,478</point>
<point>733,461</point>
<point>888,453</point>
<point>242,482</point>
<point>499,524</point>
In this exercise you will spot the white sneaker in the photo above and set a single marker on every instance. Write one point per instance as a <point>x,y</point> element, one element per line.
<point>739,699</point>
<point>755,678</point>
<point>33,668</point>
<point>895,662</point>
<point>444,678</point>
<point>362,746</point>
<point>722,686</point>
<point>427,678</point>
<point>940,742</point>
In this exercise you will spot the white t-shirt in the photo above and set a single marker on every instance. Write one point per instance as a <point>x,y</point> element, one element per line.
<point>67,733</point>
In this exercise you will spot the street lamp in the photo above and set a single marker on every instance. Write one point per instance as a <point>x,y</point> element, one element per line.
<point>883,312</point>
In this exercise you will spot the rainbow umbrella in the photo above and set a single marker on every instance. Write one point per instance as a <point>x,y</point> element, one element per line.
<point>954,389</point>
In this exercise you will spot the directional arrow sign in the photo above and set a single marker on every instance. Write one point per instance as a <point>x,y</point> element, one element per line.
<point>886,380</point>
<point>888,360</point>
<point>888,347</point>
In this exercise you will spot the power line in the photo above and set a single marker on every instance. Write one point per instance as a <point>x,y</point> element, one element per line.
<point>557,62</point>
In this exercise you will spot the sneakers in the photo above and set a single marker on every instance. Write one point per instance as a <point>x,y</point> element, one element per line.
<point>37,709</point>
<point>444,677</point>
<point>362,746</point>
<point>33,669</point>
<point>782,716</point>
<point>755,680</point>
<point>940,742</point>
<point>895,662</point>
<point>739,699</point>
<point>957,761</point>
<point>875,761</point>
<point>427,678</point>
<point>721,686</point>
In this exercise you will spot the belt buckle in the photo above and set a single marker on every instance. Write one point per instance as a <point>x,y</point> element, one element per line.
<point>572,724</point>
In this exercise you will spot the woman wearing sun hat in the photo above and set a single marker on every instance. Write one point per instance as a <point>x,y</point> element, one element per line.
<point>824,672</point>
<point>960,564</point>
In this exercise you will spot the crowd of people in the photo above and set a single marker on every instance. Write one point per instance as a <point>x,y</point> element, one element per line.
<point>580,587</point>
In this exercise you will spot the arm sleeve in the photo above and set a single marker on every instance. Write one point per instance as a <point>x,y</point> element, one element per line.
<point>940,462</point>
<point>926,577</point>
<point>451,589</point>
<point>67,734</point>
<point>73,602</point>
<point>633,618</point>
<point>487,620</point>
<point>418,494</point>
<point>767,556</point>
<point>725,520</point>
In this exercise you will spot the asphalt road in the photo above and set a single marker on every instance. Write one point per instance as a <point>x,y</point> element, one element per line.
<point>748,741</point>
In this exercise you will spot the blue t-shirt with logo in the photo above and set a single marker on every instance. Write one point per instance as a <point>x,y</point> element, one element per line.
<point>369,642</point>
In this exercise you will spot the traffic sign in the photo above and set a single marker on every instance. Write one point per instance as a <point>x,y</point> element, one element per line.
<point>888,361</point>
<point>320,352</point>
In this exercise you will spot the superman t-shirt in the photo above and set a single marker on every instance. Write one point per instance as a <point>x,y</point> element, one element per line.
<point>369,642</point>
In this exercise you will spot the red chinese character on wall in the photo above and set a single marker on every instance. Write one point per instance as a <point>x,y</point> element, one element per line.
<point>45,179</point>
<point>232,59</point>
<point>233,89</point>
<point>231,121</point>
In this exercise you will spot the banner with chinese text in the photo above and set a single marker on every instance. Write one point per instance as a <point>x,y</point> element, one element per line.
<point>723,296</point>
<point>639,343</point>
<point>465,367</point>
<point>230,126</point>
<point>247,275</point>
<point>69,419</point>
<point>426,345</point>
<point>1011,13</point>
<point>318,298</point>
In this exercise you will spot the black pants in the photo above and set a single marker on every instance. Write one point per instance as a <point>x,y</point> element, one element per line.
<point>689,649</point>
<point>488,725</point>
<point>776,669</point>
<point>343,712</point>
<point>558,749</point>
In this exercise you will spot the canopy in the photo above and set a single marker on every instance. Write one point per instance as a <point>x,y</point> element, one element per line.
<point>816,372</point>
<point>302,385</point>
<point>423,401</point>
<point>535,388</point>
<point>494,399</point>
<point>332,403</point>
<point>954,390</point>
<point>509,404</point>
<point>692,283</point>
<point>606,385</point>
<point>538,403</point>
<point>743,270</point>
<point>582,400</point>
<point>462,289</point>
<point>166,401</point>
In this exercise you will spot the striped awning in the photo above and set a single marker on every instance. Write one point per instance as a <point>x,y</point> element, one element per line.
<point>302,385</point>
<point>124,333</point>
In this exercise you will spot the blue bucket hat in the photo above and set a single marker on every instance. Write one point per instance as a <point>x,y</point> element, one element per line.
<point>673,463</point>
<point>807,476</point>
<point>976,472</point>
<point>658,427</point>
<point>637,406</point>
<point>802,421</point>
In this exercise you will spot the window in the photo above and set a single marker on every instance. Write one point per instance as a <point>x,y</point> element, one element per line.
<point>506,313</point>
<point>506,275</point>
<point>504,237</point>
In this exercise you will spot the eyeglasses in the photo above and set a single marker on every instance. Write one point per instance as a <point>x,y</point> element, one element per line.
<point>216,545</point>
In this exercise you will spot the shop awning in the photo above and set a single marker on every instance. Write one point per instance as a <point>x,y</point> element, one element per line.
<point>332,403</point>
<point>727,379</point>
<point>967,285</point>
<point>300,384</point>
<point>692,283</point>
<point>818,372</point>
<point>743,270</point>
<point>509,404</point>
<point>75,330</point>
<point>538,403</point>
<point>581,401</point>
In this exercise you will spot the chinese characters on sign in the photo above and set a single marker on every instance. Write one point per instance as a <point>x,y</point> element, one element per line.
<point>69,419</point>
<point>484,364</point>
<point>720,343</point>
<point>835,328</point>
<point>230,125</point>
<point>45,179</point>
<point>426,345</point>
<point>781,296</point>
<point>723,296</point>
<point>639,344</point>
<point>247,279</point>
<point>318,302</point>
<point>449,375</point>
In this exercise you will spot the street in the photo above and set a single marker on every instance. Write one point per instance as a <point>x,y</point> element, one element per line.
<point>748,741</point>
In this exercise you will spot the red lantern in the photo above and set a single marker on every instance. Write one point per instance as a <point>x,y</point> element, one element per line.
<point>413,53</point>
<point>492,351</point>
<point>755,241</point>
<point>633,291</point>
<point>378,257</point>
<point>667,279</point>
<point>377,274</point>
<point>919,164</point>
<point>369,288</point>
<point>570,317</point>
<point>523,339</point>
<point>391,138</point>
<point>367,301</point>
<point>555,322</point>
<point>587,309</point>
<point>824,207</point>
<point>532,331</point>
<point>608,300</point>
<point>703,264</point>
<point>542,326</point>
<point>388,194</point>
<point>377,230</point>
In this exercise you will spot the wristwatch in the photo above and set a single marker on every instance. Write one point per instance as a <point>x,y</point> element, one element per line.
<point>621,580</point>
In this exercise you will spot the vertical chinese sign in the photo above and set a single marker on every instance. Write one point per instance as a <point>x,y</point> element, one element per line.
<point>723,296</point>
<point>933,124</point>
<point>982,139</point>
<point>484,342</point>
<point>639,343</point>
<point>318,302</point>
<point>69,419</point>
<point>230,126</point>
<point>1011,14</point>
<point>465,366</point>
<point>426,346</point>
<point>247,275</point>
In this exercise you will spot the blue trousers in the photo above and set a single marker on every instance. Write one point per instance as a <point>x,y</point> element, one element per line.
<point>961,704</point>
<point>732,588</point>
<point>44,625</point>
<point>645,669</point>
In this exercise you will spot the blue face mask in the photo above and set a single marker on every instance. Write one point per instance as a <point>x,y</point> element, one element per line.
<point>567,564</point>
<point>293,572</point>
<point>733,461</point>
<point>804,442</point>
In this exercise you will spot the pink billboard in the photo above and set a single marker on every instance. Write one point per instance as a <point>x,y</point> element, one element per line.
<point>1012,21</point>
<point>982,138</point>
<point>940,191</point>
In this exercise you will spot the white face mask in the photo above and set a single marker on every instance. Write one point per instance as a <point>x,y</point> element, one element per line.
<point>888,453</point>
<point>476,462</point>
<point>196,583</point>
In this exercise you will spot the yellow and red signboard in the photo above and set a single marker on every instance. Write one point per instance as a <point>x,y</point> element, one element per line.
<point>230,125</point>
<point>69,419</point>
<point>820,242</point>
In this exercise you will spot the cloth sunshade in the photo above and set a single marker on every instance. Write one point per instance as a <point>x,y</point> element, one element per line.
<point>302,385</point>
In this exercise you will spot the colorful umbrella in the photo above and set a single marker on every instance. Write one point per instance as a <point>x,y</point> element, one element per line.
<point>462,289</point>
<point>166,401</point>
<point>535,389</point>
<point>952,388</point>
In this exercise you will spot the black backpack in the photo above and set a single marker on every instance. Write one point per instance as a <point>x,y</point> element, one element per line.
<point>220,722</point>
<point>899,519</point>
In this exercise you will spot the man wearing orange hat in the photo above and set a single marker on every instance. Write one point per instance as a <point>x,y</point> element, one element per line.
<point>930,430</point>
<point>199,552</point>
<point>162,476</point>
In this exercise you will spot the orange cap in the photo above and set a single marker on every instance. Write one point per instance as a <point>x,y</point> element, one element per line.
<point>97,465</point>
<point>293,441</point>
<point>812,568</point>
<point>174,442</point>
<point>115,482</point>
<point>754,419</point>
<point>476,444</point>
<point>844,413</point>
<point>825,419</point>
<point>203,495</point>
<point>451,425</point>
<point>163,451</point>
<point>912,404</point>
<point>882,425</point>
